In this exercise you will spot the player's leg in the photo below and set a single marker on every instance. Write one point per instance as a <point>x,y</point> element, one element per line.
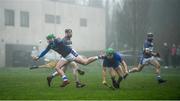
<point>157,66</point>
<point>54,74</point>
<point>120,75</point>
<point>124,69</point>
<point>136,69</point>
<point>75,73</point>
<point>60,71</point>
<point>104,75</point>
<point>49,78</point>
<point>84,60</point>
<point>50,64</point>
<point>140,66</point>
<point>75,65</point>
<point>113,75</point>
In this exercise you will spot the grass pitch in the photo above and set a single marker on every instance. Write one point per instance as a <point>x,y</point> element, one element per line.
<point>24,84</point>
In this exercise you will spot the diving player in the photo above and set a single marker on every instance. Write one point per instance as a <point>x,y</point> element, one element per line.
<point>148,57</point>
<point>67,41</point>
<point>68,55</point>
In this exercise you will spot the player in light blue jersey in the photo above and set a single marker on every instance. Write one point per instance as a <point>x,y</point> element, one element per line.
<point>148,58</point>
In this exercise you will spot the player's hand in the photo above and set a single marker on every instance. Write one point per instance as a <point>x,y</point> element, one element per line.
<point>104,82</point>
<point>35,58</point>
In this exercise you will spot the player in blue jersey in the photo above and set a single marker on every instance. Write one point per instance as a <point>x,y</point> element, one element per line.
<point>149,58</point>
<point>68,55</point>
<point>67,41</point>
<point>113,61</point>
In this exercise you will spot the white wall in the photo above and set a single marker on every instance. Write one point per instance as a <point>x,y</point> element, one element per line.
<point>2,55</point>
<point>87,38</point>
<point>17,34</point>
<point>90,38</point>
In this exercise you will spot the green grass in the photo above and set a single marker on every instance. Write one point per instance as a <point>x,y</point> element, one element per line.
<point>22,83</point>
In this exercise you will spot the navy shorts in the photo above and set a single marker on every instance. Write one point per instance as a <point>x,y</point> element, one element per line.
<point>109,64</point>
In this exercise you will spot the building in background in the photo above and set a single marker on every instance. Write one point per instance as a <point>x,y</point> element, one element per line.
<point>24,22</point>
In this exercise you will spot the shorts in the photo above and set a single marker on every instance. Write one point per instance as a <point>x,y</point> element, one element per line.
<point>108,64</point>
<point>71,56</point>
<point>146,61</point>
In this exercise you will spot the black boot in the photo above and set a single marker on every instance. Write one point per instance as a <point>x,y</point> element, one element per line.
<point>34,67</point>
<point>49,79</point>
<point>161,81</point>
<point>119,80</point>
<point>115,84</point>
<point>81,72</point>
<point>79,85</point>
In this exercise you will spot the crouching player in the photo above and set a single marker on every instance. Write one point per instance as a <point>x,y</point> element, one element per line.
<point>112,61</point>
<point>148,57</point>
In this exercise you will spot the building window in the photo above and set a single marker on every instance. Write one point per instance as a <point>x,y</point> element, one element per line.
<point>52,19</point>
<point>24,18</point>
<point>49,18</point>
<point>9,17</point>
<point>58,19</point>
<point>83,22</point>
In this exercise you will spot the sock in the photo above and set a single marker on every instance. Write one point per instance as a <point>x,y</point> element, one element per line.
<point>54,74</point>
<point>120,79</point>
<point>64,78</point>
<point>113,79</point>
<point>96,57</point>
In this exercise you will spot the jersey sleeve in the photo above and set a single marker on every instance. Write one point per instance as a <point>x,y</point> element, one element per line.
<point>118,57</point>
<point>145,45</point>
<point>44,52</point>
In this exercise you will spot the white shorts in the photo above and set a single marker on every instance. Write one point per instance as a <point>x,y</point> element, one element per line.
<point>71,56</point>
<point>146,61</point>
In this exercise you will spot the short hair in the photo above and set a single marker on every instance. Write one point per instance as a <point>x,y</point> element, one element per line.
<point>68,30</point>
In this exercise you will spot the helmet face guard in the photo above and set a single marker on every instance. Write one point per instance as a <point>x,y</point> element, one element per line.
<point>150,37</point>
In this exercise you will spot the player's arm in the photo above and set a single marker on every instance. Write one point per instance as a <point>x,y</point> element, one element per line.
<point>42,54</point>
<point>104,75</point>
<point>156,54</point>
